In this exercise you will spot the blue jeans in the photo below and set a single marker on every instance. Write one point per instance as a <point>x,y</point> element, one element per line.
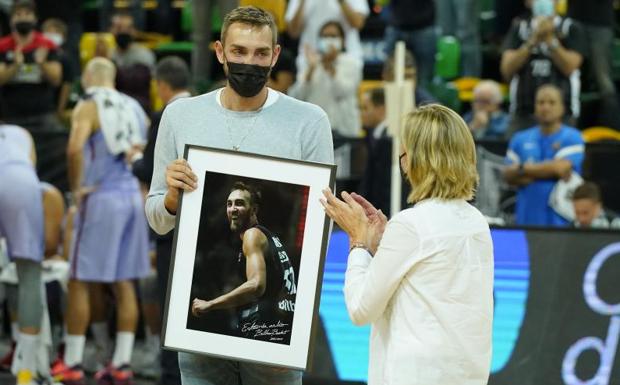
<point>461,19</point>
<point>422,43</point>
<point>204,370</point>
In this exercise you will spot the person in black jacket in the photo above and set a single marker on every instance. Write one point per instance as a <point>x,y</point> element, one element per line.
<point>173,77</point>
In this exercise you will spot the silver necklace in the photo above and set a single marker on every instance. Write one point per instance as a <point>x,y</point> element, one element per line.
<point>248,131</point>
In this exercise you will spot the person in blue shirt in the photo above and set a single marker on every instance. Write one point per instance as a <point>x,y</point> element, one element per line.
<point>540,156</point>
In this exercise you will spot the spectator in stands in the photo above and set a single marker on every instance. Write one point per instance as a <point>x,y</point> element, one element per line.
<point>282,75</point>
<point>459,18</point>
<point>29,74</point>
<point>597,21</point>
<point>540,156</point>
<point>305,19</point>
<point>331,80</point>
<point>418,31</point>
<point>373,113</point>
<point>134,62</point>
<point>421,95</point>
<point>589,212</point>
<point>56,31</point>
<point>70,13</point>
<point>543,48</point>
<point>375,184</point>
<point>487,120</point>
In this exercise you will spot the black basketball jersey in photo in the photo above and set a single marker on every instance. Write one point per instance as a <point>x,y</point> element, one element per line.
<point>540,69</point>
<point>270,318</point>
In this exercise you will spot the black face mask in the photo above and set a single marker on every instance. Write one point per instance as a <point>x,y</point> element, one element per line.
<point>247,79</point>
<point>123,40</point>
<point>24,27</point>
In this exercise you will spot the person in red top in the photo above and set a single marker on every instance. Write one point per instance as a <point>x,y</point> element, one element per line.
<point>30,71</point>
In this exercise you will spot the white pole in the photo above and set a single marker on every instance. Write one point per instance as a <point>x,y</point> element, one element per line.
<point>399,78</point>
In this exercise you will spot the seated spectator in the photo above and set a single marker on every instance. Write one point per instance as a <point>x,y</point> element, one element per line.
<point>486,120</point>
<point>540,156</point>
<point>589,212</point>
<point>542,49</point>
<point>29,73</point>
<point>282,75</point>
<point>56,31</point>
<point>421,95</point>
<point>331,81</point>
<point>134,62</point>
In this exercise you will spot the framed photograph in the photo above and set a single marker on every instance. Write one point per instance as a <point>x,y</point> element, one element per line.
<point>248,257</point>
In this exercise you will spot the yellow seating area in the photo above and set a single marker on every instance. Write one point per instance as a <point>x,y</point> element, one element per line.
<point>93,43</point>
<point>276,7</point>
<point>595,134</point>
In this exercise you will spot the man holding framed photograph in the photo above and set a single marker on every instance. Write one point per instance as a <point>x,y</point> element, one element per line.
<point>265,301</point>
<point>244,116</point>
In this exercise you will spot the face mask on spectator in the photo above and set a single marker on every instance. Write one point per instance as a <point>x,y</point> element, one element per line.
<point>55,37</point>
<point>24,27</point>
<point>123,40</point>
<point>326,44</point>
<point>247,79</point>
<point>543,8</point>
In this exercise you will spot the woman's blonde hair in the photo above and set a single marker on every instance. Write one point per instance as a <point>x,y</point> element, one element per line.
<point>441,155</point>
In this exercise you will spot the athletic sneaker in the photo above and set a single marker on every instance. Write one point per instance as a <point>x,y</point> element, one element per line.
<point>123,375</point>
<point>68,375</point>
<point>58,366</point>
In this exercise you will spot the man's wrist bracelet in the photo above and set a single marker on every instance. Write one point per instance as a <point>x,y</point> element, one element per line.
<point>359,245</point>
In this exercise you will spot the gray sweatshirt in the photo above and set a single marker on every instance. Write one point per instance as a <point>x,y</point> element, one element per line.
<point>284,127</point>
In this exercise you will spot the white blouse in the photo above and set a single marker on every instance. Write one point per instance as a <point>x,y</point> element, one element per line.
<point>428,293</point>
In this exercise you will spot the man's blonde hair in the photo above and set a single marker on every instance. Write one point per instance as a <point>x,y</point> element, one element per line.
<point>441,155</point>
<point>250,15</point>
